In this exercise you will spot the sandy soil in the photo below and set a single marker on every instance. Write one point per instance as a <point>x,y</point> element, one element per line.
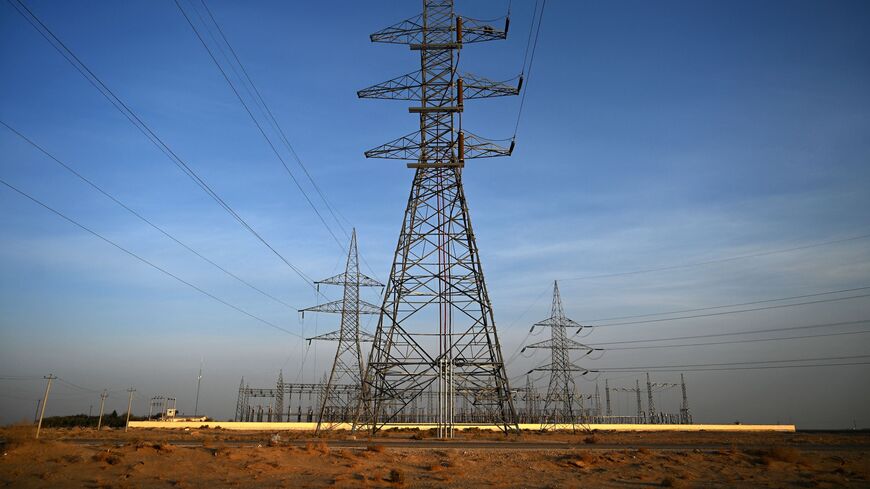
<point>147,459</point>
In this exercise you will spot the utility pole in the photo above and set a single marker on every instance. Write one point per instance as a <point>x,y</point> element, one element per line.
<point>436,329</point>
<point>36,413</point>
<point>103,396</point>
<point>131,390</point>
<point>198,381</point>
<point>607,397</point>
<point>650,404</point>
<point>50,377</point>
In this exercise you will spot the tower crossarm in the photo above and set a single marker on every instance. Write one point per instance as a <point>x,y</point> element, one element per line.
<point>342,279</point>
<point>410,31</point>
<point>474,86</point>
<point>338,307</point>
<point>556,322</point>
<point>364,336</point>
<point>568,367</point>
<point>410,87</point>
<point>440,149</point>
<point>567,344</point>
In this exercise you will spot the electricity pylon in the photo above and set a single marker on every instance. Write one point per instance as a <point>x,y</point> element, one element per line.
<point>559,405</point>
<point>436,330</point>
<point>685,415</point>
<point>347,369</point>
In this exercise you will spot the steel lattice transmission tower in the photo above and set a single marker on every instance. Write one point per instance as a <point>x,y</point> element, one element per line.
<point>436,333</point>
<point>339,405</point>
<point>561,402</point>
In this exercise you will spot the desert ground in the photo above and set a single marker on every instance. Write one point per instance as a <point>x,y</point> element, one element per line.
<point>217,458</point>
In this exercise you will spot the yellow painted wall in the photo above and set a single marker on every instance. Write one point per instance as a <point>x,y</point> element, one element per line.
<point>265,426</point>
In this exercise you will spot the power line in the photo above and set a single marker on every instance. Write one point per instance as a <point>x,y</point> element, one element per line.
<point>731,342</point>
<point>134,119</point>
<point>760,367</point>
<point>531,60</point>
<point>739,304</point>
<point>529,334</point>
<point>257,123</point>
<point>778,306</point>
<point>270,117</point>
<point>141,217</point>
<point>735,333</point>
<point>798,360</point>
<point>274,121</point>
<point>145,261</point>
<point>719,260</point>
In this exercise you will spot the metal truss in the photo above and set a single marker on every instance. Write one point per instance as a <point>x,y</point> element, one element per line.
<point>411,147</point>
<point>436,335</point>
<point>439,30</point>
<point>244,411</point>
<point>562,401</point>
<point>339,405</point>
<point>364,337</point>
<point>410,87</point>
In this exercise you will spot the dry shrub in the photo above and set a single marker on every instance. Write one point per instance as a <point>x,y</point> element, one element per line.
<point>163,447</point>
<point>72,459</point>
<point>669,481</point>
<point>777,454</point>
<point>785,454</point>
<point>17,435</point>
<point>590,440</point>
<point>580,460</point>
<point>318,447</point>
<point>396,476</point>
<point>323,447</point>
<point>586,456</point>
<point>106,457</point>
<point>375,448</point>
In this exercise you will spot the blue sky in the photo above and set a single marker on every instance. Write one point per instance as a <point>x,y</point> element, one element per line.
<point>653,134</point>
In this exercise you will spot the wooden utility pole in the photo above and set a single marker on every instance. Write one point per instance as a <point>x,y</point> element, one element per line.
<point>103,396</point>
<point>50,377</point>
<point>131,390</point>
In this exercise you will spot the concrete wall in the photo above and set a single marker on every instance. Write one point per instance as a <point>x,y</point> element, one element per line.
<point>265,426</point>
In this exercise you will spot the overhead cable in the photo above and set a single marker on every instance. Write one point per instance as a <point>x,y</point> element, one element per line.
<point>147,262</point>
